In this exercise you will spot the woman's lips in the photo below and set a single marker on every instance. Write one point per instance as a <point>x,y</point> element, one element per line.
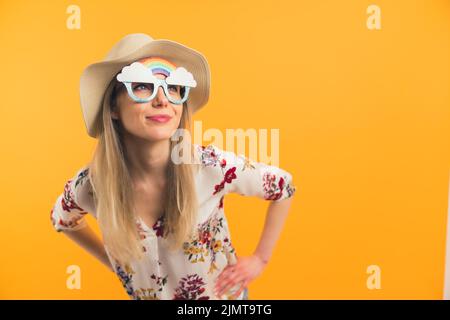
<point>159,118</point>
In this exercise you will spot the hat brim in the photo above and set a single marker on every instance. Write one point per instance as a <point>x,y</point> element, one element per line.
<point>97,76</point>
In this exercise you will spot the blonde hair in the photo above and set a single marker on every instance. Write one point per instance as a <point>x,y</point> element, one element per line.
<point>112,188</point>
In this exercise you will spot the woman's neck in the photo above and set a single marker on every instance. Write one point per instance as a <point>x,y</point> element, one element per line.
<point>147,160</point>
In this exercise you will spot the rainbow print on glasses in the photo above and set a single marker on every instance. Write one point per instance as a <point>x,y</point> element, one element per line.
<point>142,84</point>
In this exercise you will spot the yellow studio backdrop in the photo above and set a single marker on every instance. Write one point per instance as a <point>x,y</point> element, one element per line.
<point>364,126</point>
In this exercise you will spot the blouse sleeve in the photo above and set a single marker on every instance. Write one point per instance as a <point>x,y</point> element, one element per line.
<point>69,211</point>
<point>249,178</point>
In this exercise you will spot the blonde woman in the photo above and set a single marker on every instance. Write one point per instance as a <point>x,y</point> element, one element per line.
<point>164,231</point>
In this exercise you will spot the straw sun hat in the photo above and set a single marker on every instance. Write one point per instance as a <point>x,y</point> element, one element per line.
<point>96,77</point>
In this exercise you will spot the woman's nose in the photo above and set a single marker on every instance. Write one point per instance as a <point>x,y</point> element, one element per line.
<point>160,98</point>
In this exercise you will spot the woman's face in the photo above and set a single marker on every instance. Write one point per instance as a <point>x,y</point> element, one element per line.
<point>135,117</point>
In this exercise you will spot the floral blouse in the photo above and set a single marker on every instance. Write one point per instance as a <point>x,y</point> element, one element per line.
<point>190,272</point>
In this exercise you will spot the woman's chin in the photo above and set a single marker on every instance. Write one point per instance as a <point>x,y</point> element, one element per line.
<point>158,134</point>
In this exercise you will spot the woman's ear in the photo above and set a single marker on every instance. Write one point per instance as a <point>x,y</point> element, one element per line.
<point>114,115</point>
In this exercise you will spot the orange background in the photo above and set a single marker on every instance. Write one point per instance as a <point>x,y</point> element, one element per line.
<point>364,128</point>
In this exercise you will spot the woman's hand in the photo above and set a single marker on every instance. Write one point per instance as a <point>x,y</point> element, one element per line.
<point>244,271</point>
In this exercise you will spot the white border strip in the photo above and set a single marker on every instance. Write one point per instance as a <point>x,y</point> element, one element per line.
<point>447,255</point>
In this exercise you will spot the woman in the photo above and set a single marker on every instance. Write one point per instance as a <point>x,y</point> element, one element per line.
<point>160,211</point>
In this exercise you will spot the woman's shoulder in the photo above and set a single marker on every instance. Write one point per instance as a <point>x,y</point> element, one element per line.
<point>210,155</point>
<point>82,175</point>
<point>81,188</point>
<point>214,156</point>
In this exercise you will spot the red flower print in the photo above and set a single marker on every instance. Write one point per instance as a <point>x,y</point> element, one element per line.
<point>70,223</point>
<point>51,216</point>
<point>202,245</point>
<point>229,176</point>
<point>218,187</point>
<point>281,183</point>
<point>208,156</point>
<point>272,190</point>
<point>158,226</point>
<point>205,237</point>
<point>68,202</point>
<point>190,288</point>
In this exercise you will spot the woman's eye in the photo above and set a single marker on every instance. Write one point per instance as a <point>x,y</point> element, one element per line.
<point>173,88</point>
<point>142,86</point>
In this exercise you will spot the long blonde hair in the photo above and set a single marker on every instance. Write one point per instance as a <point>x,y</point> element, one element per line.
<point>112,188</point>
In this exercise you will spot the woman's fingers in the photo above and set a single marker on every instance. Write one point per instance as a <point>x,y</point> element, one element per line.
<point>225,272</point>
<point>237,276</point>
<point>224,276</point>
<point>230,282</point>
<point>243,285</point>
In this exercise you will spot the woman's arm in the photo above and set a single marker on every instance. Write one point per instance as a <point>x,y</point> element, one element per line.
<point>248,268</point>
<point>275,218</point>
<point>69,211</point>
<point>249,178</point>
<point>88,240</point>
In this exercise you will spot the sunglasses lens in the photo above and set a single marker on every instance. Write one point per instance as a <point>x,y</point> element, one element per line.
<point>177,93</point>
<point>142,90</point>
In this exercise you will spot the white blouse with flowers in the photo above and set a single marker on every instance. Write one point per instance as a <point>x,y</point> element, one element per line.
<point>190,272</point>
